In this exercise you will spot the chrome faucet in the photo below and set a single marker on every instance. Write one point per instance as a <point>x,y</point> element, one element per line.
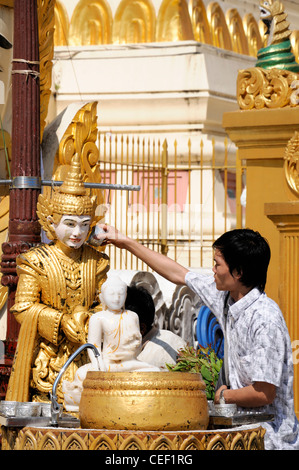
<point>55,407</point>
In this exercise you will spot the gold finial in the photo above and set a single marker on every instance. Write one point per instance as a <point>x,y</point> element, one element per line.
<point>73,183</point>
<point>71,197</point>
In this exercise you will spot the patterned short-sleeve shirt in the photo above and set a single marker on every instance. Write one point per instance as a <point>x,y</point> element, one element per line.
<point>259,350</point>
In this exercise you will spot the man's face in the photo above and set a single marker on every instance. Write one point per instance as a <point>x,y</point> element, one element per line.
<point>223,278</point>
<point>72,230</point>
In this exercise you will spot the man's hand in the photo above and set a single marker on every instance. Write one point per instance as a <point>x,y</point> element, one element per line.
<point>255,395</point>
<point>110,234</point>
<point>217,394</point>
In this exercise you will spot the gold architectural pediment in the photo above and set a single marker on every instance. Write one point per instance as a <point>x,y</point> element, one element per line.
<point>136,21</point>
<point>237,34</point>
<point>200,24</point>
<point>91,23</point>
<point>61,33</point>
<point>173,22</point>
<point>259,88</point>
<point>291,163</point>
<point>218,25</point>
<point>253,35</point>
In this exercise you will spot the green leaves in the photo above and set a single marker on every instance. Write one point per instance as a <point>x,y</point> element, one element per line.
<point>203,361</point>
<point>206,374</point>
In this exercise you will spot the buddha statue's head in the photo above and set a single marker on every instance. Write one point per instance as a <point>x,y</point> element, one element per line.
<point>69,204</point>
<point>113,294</point>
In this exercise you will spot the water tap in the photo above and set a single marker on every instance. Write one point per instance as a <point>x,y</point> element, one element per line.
<point>55,407</point>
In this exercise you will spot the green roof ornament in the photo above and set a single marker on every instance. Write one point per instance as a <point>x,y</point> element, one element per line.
<point>278,53</point>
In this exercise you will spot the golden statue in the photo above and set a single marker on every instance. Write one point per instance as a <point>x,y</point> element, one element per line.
<point>58,284</point>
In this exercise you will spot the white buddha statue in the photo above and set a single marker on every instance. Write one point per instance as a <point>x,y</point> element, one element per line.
<point>116,334</point>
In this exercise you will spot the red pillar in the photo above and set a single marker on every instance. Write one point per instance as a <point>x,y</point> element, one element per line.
<point>24,228</point>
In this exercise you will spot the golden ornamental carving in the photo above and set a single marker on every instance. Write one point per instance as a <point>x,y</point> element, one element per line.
<point>236,30</point>
<point>134,22</point>
<point>174,22</point>
<point>218,25</point>
<point>48,442</point>
<point>252,34</point>
<point>91,23</point>
<point>259,88</point>
<point>200,24</point>
<point>61,33</point>
<point>291,163</point>
<point>46,21</point>
<point>80,137</point>
<point>46,438</point>
<point>74,441</point>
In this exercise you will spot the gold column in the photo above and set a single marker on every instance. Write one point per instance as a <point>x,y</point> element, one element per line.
<point>285,217</point>
<point>261,136</point>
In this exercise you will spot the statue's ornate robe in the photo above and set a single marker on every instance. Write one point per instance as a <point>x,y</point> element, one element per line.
<point>50,285</point>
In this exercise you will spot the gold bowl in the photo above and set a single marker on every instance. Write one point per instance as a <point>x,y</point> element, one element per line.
<point>144,401</point>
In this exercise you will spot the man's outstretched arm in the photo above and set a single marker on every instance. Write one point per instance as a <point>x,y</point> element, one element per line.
<point>163,265</point>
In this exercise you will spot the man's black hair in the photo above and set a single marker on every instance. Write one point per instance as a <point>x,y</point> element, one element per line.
<point>247,252</point>
<point>139,300</point>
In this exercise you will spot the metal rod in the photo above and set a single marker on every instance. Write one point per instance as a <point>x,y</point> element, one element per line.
<point>87,185</point>
<point>164,227</point>
<point>5,182</point>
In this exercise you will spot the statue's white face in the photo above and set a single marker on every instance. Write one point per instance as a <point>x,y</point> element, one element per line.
<point>72,230</point>
<point>114,295</point>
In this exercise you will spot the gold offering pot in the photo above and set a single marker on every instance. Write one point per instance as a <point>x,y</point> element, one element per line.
<point>144,401</point>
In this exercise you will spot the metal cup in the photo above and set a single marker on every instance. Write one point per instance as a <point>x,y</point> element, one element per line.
<point>227,409</point>
<point>27,409</point>
<point>8,408</point>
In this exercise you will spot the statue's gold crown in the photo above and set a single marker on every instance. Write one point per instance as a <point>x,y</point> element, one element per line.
<point>72,197</point>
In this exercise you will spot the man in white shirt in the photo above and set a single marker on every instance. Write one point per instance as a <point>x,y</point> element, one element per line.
<point>259,364</point>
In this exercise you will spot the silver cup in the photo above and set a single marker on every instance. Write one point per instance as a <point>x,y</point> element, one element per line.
<point>8,408</point>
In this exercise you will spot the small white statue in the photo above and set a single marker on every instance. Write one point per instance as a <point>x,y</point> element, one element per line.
<point>116,334</point>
